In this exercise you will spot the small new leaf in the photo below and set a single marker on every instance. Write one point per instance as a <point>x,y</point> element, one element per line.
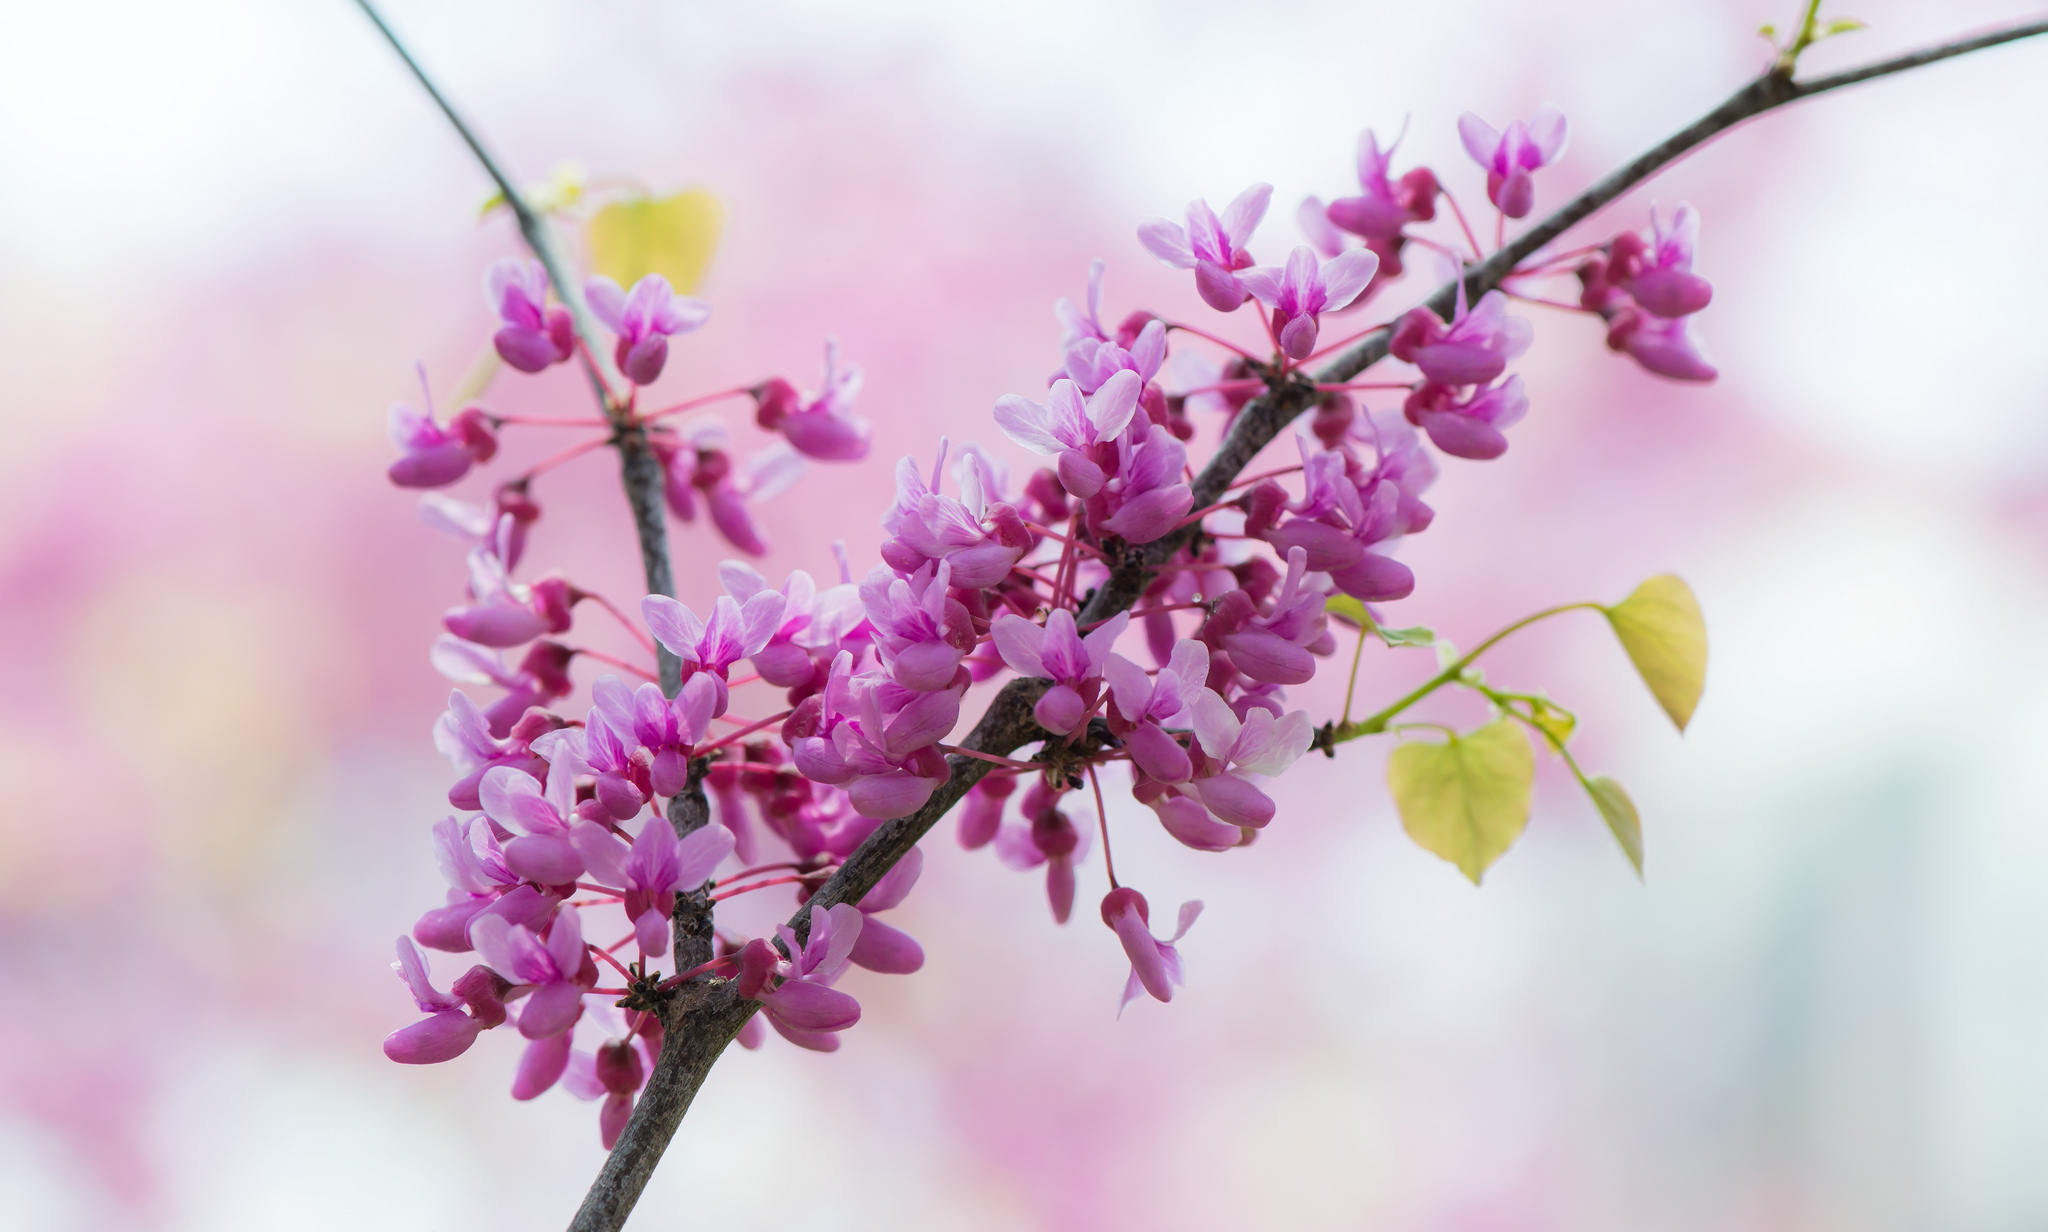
<point>1555,722</point>
<point>1661,628</point>
<point>1347,610</point>
<point>1350,611</point>
<point>1620,814</point>
<point>1417,636</point>
<point>1841,25</point>
<point>1466,799</point>
<point>671,236</point>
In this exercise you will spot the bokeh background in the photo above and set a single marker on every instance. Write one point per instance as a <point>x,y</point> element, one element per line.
<point>231,228</point>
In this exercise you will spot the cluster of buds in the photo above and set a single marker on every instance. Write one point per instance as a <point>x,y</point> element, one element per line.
<point>1183,700</point>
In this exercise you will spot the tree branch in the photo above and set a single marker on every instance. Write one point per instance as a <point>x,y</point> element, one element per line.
<point>705,1014</point>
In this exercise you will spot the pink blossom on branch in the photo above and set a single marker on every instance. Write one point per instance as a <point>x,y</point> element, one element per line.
<point>1303,289</point>
<point>1510,157</point>
<point>535,333</point>
<point>1213,247</point>
<point>643,320</point>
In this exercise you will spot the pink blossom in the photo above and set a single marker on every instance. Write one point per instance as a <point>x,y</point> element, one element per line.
<point>874,737</point>
<point>502,612</point>
<point>1471,427</point>
<point>436,456</point>
<point>1472,350</point>
<point>1075,323</point>
<point>535,334</point>
<point>980,538</point>
<point>1071,427</point>
<point>1233,748</point>
<point>445,1033</point>
<point>643,321</point>
<point>1155,964</point>
<point>1509,157</point>
<point>616,1071</point>
<point>1141,704</point>
<point>1273,646</point>
<point>881,946</point>
<point>800,1002</point>
<point>512,798</point>
<point>1664,345</point>
<point>500,529</point>
<point>820,425</point>
<point>1384,206</point>
<point>1149,494</point>
<point>652,871</point>
<point>463,735</point>
<point>1046,837</point>
<point>733,633</point>
<point>981,812</point>
<point>698,462</point>
<point>783,662</point>
<point>1303,289</point>
<point>1212,247</point>
<point>541,677</point>
<point>479,881</point>
<point>921,632</point>
<point>1091,362</point>
<point>667,728</point>
<point>1056,651</point>
<point>1657,273</point>
<point>556,967</point>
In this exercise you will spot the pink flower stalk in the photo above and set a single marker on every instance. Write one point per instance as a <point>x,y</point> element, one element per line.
<point>1510,157</point>
<point>1471,427</point>
<point>733,633</point>
<point>1234,748</point>
<point>921,631</point>
<point>1275,646</point>
<point>1664,345</point>
<point>542,816</point>
<point>535,333</point>
<point>1212,247</point>
<point>1155,964</point>
<point>1140,704</point>
<point>820,425</point>
<point>800,1003</point>
<point>643,321</point>
<point>1657,273</point>
<point>1472,350</point>
<point>1072,428</point>
<point>1047,838</point>
<point>557,968</point>
<point>1149,494</point>
<point>980,538</point>
<point>874,737</point>
<point>1056,651</point>
<point>1299,292</point>
<point>436,456</point>
<point>445,1033</point>
<point>652,871</point>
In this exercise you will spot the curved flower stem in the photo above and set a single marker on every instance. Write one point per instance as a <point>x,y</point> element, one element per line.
<point>639,634</point>
<point>705,750</point>
<point>1378,723</point>
<point>554,460</point>
<point>733,891</point>
<point>1102,819</point>
<point>1222,342</point>
<point>1464,226</point>
<point>551,421</point>
<point>617,662</point>
<point>992,758</point>
<point>693,403</point>
<point>1246,481</point>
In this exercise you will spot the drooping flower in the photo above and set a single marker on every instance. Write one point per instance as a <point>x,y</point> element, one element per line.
<point>1072,428</point>
<point>1155,965</point>
<point>820,425</point>
<point>1057,651</point>
<point>978,537</point>
<point>1384,205</point>
<point>1046,837</point>
<point>795,992</point>
<point>1509,157</point>
<point>1663,345</point>
<point>1299,292</point>
<point>541,677</point>
<point>445,1033</point>
<point>1142,703</point>
<point>643,321</point>
<point>1472,426</point>
<point>542,816</point>
<point>697,461</point>
<point>436,456</point>
<point>652,871</point>
<point>1472,350</point>
<point>535,333</point>
<point>1233,748</point>
<point>881,946</point>
<point>981,812</point>
<point>557,968</point>
<point>1657,273</point>
<point>1148,494</point>
<point>1213,247</point>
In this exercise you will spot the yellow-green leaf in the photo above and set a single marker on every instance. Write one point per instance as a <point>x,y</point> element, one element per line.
<point>671,236</point>
<point>1620,814</point>
<point>1554,721</point>
<point>1417,636</point>
<point>1660,627</point>
<point>1348,610</point>
<point>1841,25</point>
<point>1466,799</point>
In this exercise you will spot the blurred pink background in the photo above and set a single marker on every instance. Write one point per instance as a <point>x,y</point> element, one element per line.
<point>232,228</point>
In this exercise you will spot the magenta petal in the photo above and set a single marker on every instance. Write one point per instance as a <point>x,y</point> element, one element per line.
<point>816,1041</point>
<point>1158,754</point>
<point>885,797</point>
<point>896,884</point>
<point>1079,475</point>
<point>549,859</point>
<point>528,350</point>
<point>785,665</point>
<point>887,949</point>
<point>1327,547</point>
<point>434,467</point>
<point>1147,517</point>
<point>541,1066</point>
<point>612,1118</point>
<point>1376,579</point>
<point>1671,292</point>
<point>1269,658</point>
<point>1059,710</point>
<point>552,1009</point>
<point>644,362</point>
<point>438,1037</point>
<point>494,624</point>
<point>1143,952</point>
<point>1187,821</point>
<point>811,1007</point>
<point>1218,287</point>
<point>1460,363</point>
<point>1059,888</point>
<point>1464,436</point>
<point>1235,800</point>
<point>827,437</point>
<point>925,666</point>
<point>447,928</point>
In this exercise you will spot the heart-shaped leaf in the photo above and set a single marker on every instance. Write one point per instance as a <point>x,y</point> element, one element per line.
<point>671,236</point>
<point>1466,799</point>
<point>1660,627</point>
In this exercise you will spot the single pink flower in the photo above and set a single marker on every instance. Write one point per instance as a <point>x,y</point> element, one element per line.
<point>1299,292</point>
<point>1155,965</point>
<point>643,321</point>
<point>1213,247</point>
<point>1509,157</point>
<point>535,333</point>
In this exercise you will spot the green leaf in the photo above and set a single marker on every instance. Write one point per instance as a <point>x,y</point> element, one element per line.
<point>1768,30</point>
<point>1661,628</point>
<point>1347,610</point>
<point>1620,814</point>
<point>672,236</point>
<point>1417,636</point>
<point>1841,25</point>
<point>1467,798</point>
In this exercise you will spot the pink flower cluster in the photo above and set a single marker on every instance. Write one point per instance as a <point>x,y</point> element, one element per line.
<point>1182,701</point>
